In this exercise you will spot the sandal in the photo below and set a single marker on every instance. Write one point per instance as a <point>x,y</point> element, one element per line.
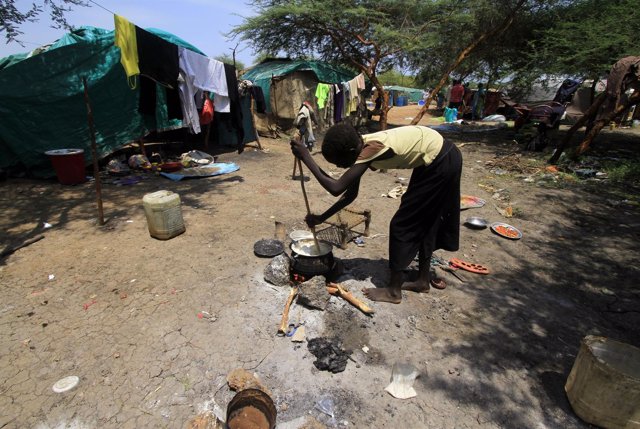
<point>438,284</point>
<point>468,266</point>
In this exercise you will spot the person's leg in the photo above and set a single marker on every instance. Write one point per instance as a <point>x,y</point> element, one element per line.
<point>421,285</point>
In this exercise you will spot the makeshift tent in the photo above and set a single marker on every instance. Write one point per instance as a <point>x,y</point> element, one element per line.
<point>413,95</point>
<point>286,84</point>
<point>42,102</point>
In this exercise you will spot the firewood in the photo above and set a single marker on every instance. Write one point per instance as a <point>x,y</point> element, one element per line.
<point>337,290</point>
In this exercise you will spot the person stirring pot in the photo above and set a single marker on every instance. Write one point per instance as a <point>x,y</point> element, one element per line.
<point>429,214</point>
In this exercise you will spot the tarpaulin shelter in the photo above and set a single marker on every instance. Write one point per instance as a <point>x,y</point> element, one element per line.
<point>286,84</point>
<point>42,100</point>
<point>413,94</point>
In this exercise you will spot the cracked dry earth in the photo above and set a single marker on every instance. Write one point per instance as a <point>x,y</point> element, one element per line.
<point>119,309</point>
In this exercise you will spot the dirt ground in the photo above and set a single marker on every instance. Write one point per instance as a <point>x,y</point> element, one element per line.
<point>119,309</point>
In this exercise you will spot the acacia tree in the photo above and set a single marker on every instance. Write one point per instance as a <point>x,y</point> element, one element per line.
<point>11,18</point>
<point>475,23</point>
<point>366,35</point>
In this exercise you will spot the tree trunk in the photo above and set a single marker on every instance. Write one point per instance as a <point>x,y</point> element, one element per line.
<point>634,99</point>
<point>384,106</point>
<point>588,116</point>
<point>465,52</point>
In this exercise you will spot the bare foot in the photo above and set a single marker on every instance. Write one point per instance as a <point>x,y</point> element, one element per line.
<point>387,294</point>
<point>419,286</point>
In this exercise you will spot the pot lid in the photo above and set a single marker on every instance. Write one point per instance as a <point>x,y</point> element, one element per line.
<point>307,247</point>
<point>268,247</point>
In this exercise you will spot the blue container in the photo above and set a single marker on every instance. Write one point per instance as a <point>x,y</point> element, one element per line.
<point>402,101</point>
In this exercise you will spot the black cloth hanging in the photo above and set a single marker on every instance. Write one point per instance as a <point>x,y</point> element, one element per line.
<point>158,61</point>
<point>233,119</point>
<point>258,96</point>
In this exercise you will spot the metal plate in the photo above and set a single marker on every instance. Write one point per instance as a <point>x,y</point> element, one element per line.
<point>476,222</point>
<point>494,227</point>
<point>268,247</point>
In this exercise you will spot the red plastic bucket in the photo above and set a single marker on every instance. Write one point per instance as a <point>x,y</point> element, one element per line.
<point>69,165</point>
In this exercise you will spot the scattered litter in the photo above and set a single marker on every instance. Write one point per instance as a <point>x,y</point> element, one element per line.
<point>66,384</point>
<point>132,281</point>
<point>88,304</point>
<point>506,212</point>
<point>52,276</point>
<point>499,171</point>
<point>396,192</point>
<point>402,377</point>
<point>365,349</point>
<point>299,336</point>
<point>359,241</point>
<point>129,221</point>
<point>46,225</point>
<point>327,406</point>
<point>585,173</point>
<point>329,354</point>
<point>207,316</point>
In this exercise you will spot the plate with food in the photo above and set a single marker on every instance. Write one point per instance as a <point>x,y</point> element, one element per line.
<point>505,230</point>
<point>470,202</point>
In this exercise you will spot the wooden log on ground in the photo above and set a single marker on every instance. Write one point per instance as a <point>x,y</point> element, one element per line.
<point>282,329</point>
<point>337,290</point>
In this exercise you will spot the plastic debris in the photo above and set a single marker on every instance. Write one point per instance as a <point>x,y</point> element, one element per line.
<point>402,377</point>
<point>327,406</point>
<point>46,225</point>
<point>65,384</point>
<point>52,276</point>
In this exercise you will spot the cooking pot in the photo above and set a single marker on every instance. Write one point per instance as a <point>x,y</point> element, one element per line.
<point>310,260</point>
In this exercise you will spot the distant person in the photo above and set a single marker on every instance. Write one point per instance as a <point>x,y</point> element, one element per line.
<point>429,214</point>
<point>304,122</point>
<point>457,95</point>
<point>440,100</point>
<point>477,105</point>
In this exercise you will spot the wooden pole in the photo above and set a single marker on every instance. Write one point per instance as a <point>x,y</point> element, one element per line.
<point>94,152</point>
<point>253,122</point>
<point>306,202</point>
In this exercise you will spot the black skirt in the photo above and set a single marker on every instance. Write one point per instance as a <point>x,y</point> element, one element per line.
<point>429,214</point>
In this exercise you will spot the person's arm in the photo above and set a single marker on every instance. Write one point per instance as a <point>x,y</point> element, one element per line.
<point>335,186</point>
<point>347,198</point>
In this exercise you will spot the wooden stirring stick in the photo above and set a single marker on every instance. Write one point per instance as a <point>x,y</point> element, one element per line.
<point>306,201</point>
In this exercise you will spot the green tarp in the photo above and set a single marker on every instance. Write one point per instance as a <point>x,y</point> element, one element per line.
<point>414,94</point>
<point>262,74</point>
<point>42,100</point>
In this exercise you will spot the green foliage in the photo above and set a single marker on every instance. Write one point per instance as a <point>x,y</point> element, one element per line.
<point>11,18</point>
<point>228,59</point>
<point>628,172</point>
<point>358,33</point>
<point>394,77</point>
<point>589,36</point>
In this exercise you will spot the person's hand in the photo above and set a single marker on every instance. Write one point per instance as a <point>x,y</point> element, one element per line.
<point>297,146</point>
<point>313,220</point>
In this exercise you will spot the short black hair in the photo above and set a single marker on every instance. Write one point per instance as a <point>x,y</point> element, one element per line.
<point>340,145</point>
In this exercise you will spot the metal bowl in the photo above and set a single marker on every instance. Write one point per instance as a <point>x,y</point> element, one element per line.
<point>476,223</point>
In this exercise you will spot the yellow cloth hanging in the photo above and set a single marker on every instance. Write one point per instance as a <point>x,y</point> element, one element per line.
<point>322,93</point>
<point>125,39</point>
